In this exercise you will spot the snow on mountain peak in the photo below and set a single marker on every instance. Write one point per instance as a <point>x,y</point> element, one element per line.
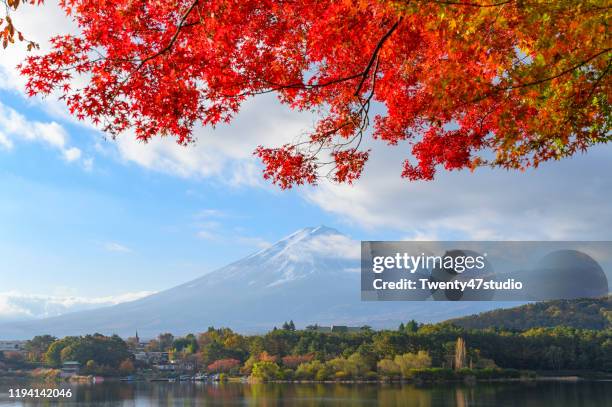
<point>320,242</point>
<point>310,250</point>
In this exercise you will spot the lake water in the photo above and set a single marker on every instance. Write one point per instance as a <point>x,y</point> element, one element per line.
<point>114,394</point>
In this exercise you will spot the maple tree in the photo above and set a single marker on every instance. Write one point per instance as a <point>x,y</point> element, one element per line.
<point>8,32</point>
<point>468,83</point>
<point>223,365</point>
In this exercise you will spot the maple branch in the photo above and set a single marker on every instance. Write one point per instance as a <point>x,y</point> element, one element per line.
<point>179,27</point>
<point>560,74</point>
<point>542,80</point>
<point>300,85</point>
<point>598,80</point>
<point>373,58</point>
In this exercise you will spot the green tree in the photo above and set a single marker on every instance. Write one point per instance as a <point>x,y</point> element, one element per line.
<point>387,368</point>
<point>266,371</point>
<point>409,361</point>
<point>38,346</point>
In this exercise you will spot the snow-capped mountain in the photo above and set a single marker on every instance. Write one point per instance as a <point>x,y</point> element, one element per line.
<point>311,276</point>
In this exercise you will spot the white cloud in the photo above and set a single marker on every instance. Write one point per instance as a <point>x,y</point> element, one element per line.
<point>51,133</point>
<point>72,154</point>
<point>224,153</point>
<point>566,200</point>
<point>207,235</point>
<point>5,142</point>
<point>116,247</point>
<point>15,305</point>
<point>209,228</point>
<point>15,127</point>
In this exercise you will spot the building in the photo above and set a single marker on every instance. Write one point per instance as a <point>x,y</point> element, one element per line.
<point>70,368</point>
<point>336,329</point>
<point>165,367</point>
<point>12,346</point>
<point>152,357</point>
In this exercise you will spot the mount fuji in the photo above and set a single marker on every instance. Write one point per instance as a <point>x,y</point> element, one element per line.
<point>310,277</point>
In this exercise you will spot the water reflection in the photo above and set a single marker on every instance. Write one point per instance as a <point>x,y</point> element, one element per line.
<point>114,394</point>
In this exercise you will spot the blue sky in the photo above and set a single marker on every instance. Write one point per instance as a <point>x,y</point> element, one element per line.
<point>118,226</point>
<point>81,216</point>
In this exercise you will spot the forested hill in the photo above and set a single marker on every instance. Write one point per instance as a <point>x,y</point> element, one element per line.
<point>581,313</point>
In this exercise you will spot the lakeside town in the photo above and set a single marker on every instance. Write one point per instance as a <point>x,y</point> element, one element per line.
<point>468,349</point>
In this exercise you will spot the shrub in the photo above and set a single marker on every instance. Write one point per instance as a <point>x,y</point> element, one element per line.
<point>308,371</point>
<point>388,368</point>
<point>266,371</point>
<point>410,361</point>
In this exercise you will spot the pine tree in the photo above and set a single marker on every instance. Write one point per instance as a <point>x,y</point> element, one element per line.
<point>412,326</point>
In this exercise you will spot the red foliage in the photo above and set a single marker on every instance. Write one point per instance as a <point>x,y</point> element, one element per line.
<point>266,357</point>
<point>293,361</point>
<point>466,83</point>
<point>223,365</point>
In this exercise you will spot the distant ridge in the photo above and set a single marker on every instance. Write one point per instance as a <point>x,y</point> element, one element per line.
<point>579,313</point>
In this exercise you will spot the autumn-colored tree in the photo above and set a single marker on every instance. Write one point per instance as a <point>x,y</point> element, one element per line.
<point>153,346</point>
<point>388,368</point>
<point>508,83</point>
<point>409,361</point>
<point>223,365</point>
<point>266,357</point>
<point>265,370</point>
<point>126,367</point>
<point>460,354</point>
<point>8,32</point>
<point>293,361</point>
<point>38,346</point>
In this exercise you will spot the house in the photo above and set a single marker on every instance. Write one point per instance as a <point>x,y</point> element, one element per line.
<point>165,367</point>
<point>70,368</point>
<point>152,357</point>
<point>337,329</point>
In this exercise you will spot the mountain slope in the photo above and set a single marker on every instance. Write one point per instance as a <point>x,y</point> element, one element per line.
<point>312,276</point>
<point>580,313</point>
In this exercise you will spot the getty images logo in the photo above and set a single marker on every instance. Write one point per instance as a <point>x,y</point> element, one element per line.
<point>410,263</point>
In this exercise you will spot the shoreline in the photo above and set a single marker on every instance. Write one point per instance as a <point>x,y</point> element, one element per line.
<point>469,380</point>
